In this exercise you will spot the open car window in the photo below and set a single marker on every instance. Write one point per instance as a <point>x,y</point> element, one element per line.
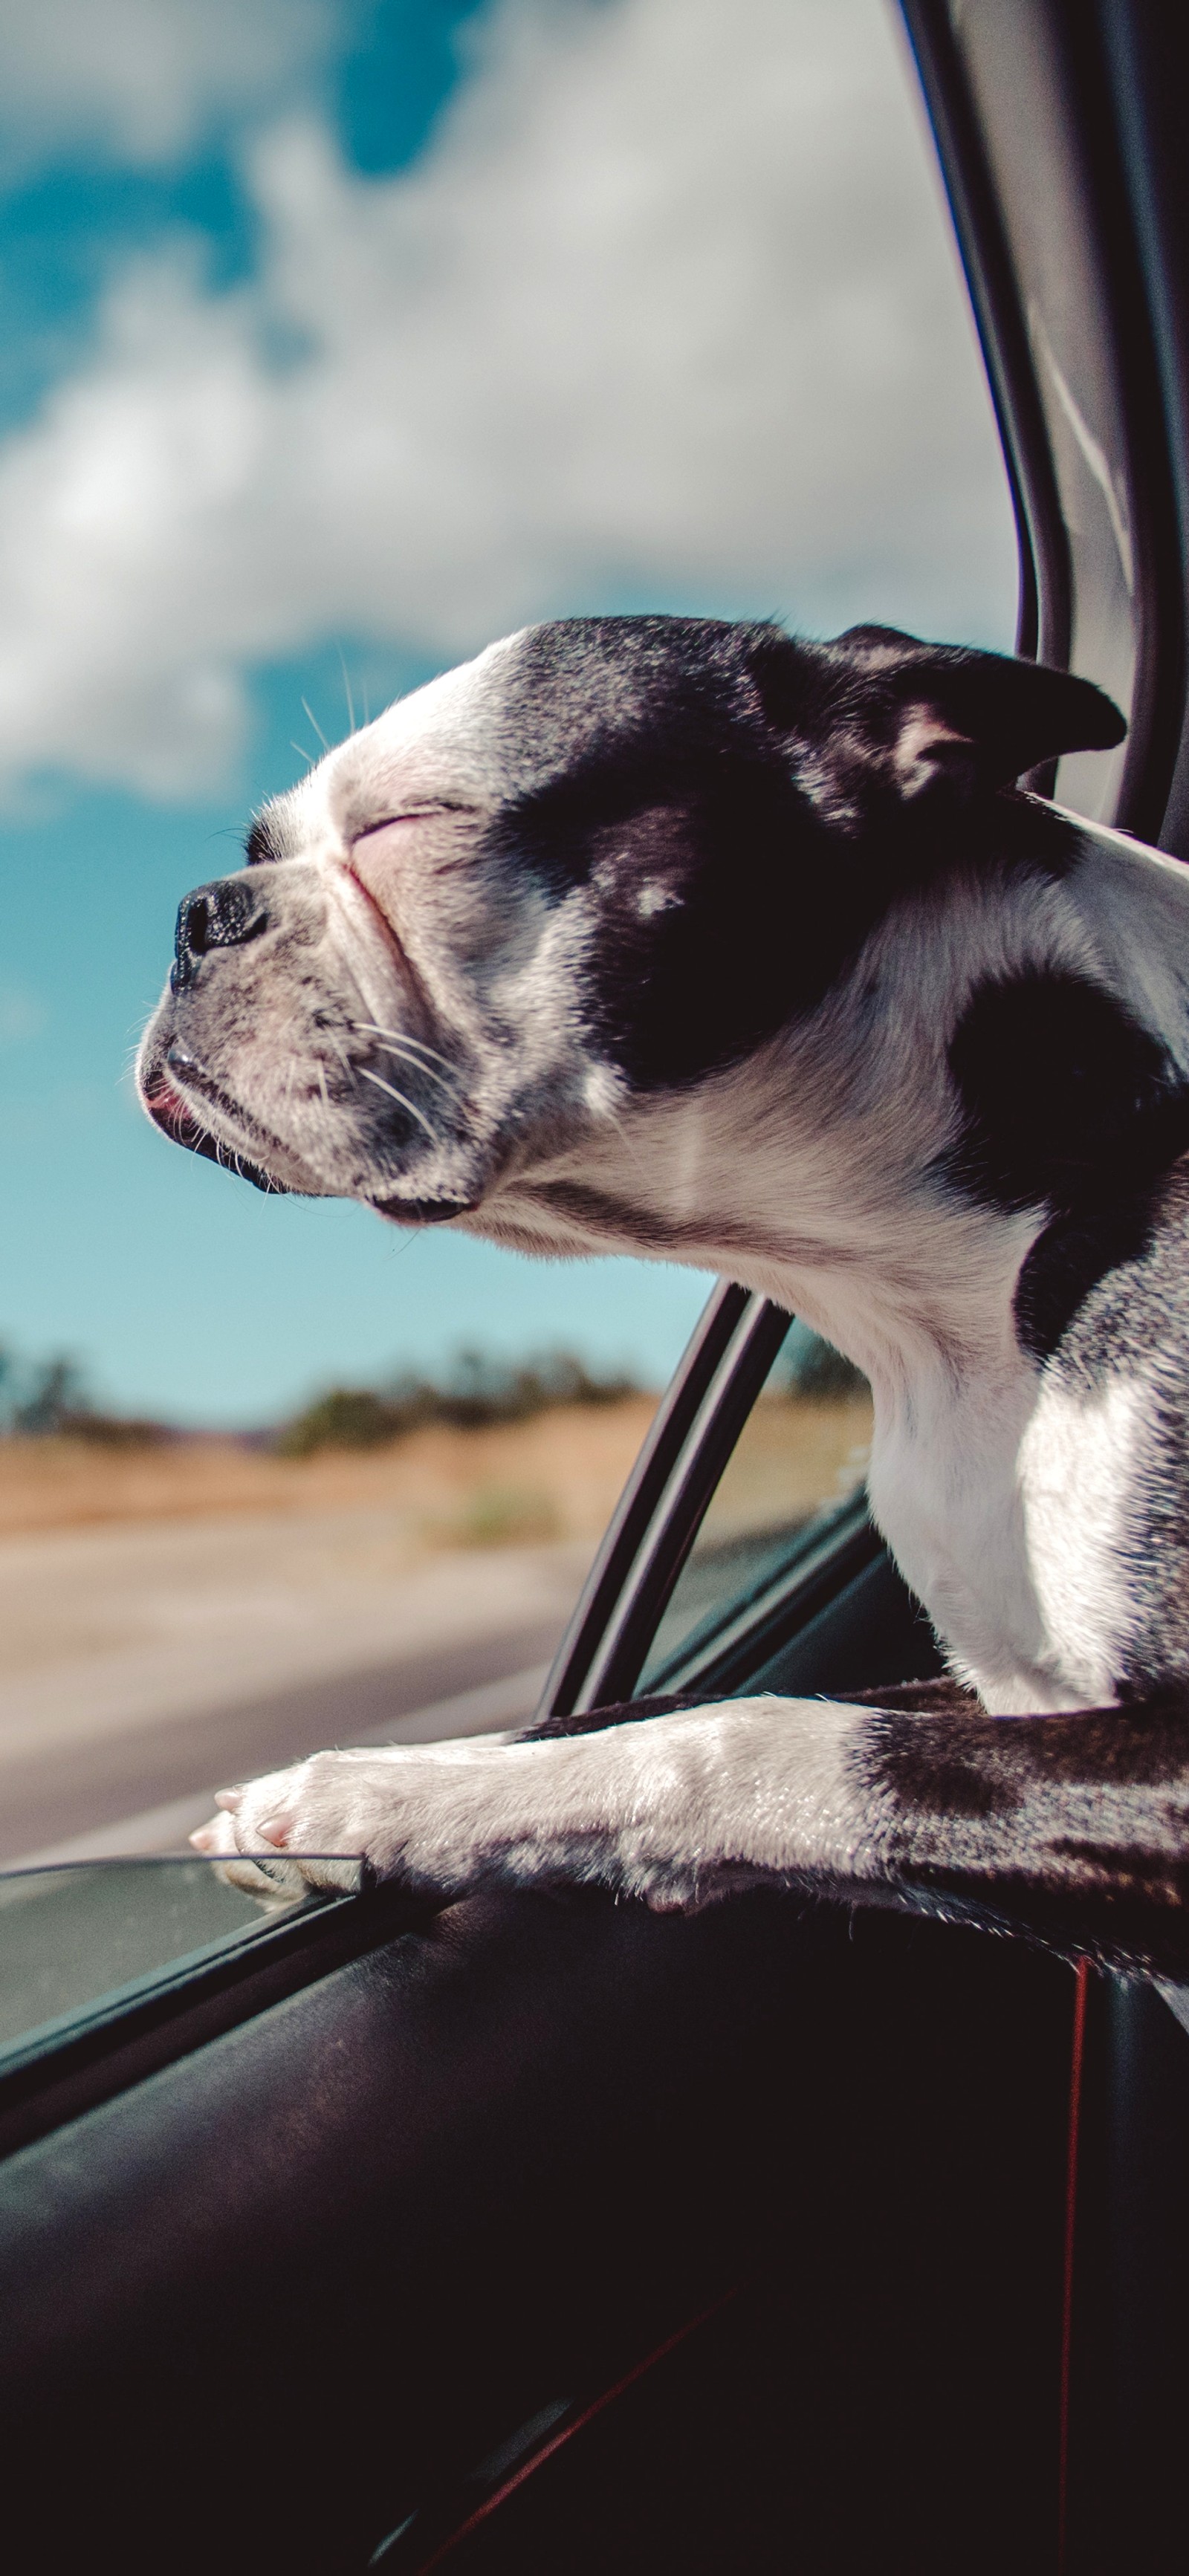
<point>598,336</point>
<point>654,347</point>
<point>761,1448</point>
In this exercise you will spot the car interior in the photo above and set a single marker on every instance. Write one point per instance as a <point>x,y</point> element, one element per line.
<point>548,2234</point>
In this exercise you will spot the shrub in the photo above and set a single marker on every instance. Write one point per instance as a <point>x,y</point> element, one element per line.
<point>477,1392</point>
<point>505,1516</point>
<point>346,1417</point>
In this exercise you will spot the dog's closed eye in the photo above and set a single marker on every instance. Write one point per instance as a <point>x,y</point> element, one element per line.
<point>408,814</point>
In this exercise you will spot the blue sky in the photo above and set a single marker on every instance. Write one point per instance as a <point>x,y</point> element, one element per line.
<point>370,331</point>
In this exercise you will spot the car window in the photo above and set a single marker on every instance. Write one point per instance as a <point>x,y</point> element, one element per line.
<point>92,1939</point>
<point>294,412</point>
<point>792,1479</point>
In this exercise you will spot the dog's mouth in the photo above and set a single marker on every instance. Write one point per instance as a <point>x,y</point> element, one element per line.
<point>423,1211</point>
<point>177,1120</point>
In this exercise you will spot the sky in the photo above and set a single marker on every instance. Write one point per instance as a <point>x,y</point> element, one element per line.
<point>336,338</point>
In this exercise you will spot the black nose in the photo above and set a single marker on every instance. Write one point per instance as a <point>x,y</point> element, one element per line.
<point>223,915</point>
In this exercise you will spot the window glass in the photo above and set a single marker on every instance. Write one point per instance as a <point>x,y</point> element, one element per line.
<point>91,1938</point>
<point>800,1460</point>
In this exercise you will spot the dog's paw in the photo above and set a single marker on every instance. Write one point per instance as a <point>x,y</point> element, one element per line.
<point>392,1811</point>
<point>276,1841</point>
<point>277,1884</point>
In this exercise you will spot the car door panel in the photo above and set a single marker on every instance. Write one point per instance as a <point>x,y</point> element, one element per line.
<point>282,2291</point>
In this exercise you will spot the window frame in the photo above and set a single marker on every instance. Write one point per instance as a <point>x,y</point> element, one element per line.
<point>654,1526</point>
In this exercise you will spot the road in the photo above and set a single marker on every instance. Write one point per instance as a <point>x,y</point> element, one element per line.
<point>142,1667</point>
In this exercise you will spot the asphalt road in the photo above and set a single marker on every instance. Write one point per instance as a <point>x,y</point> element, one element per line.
<point>67,1809</point>
<point>141,1668</point>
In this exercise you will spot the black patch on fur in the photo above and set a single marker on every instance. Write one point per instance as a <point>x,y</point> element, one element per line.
<point>595,1721</point>
<point>715,895</point>
<point>729,799</point>
<point>1123,1900</point>
<point>1068,1104</point>
<point>938,1696</point>
<point>1010,1756</point>
<point>1060,1086</point>
<point>1067,1261</point>
<point>720,905</point>
<point>938,1767</point>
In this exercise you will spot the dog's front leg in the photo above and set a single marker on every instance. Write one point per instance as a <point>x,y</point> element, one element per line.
<point>676,1810</point>
<point>1072,1829</point>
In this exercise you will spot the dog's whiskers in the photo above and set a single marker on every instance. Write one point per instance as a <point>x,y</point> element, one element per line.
<point>399,1097</point>
<point>444,1081</point>
<point>347,686</point>
<point>402,1037</point>
<point>308,711</point>
<point>341,1052</point>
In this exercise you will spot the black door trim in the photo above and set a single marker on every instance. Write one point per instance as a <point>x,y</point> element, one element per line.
<point>695,1430</point>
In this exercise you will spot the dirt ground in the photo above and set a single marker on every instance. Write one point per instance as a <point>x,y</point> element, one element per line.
<point>791,1459</point>
<point>556,1476</point>
<point>196,1610</point>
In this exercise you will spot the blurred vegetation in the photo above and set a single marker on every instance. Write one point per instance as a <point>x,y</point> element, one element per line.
<point>475,1392</point>
<point>503,1516</point>
<point>49,1398</point>
<point>812,1369</point>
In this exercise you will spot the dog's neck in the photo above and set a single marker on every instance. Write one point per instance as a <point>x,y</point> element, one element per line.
<point>814,1172</point>
<point>816,1175</point>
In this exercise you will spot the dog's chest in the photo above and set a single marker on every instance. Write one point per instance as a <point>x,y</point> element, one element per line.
<point>1008,1512</point>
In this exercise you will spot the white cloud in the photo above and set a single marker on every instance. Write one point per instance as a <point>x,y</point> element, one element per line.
<point>667,310</point>
<point>140,79</point>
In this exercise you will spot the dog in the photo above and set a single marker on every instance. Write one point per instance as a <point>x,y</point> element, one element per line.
<point>692,940</point>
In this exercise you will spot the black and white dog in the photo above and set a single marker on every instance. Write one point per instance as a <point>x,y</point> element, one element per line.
<point>685,939</point>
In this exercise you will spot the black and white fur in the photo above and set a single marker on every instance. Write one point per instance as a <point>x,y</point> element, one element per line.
<point>689,940</point>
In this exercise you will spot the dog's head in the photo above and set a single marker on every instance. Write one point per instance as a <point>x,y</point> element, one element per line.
<point>604,861</point>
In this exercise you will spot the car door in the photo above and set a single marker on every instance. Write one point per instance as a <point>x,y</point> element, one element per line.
<point>377,2213</point>
<point>748,2235</point>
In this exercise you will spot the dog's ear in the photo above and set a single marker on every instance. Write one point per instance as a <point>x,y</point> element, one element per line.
<point>929,723</point>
